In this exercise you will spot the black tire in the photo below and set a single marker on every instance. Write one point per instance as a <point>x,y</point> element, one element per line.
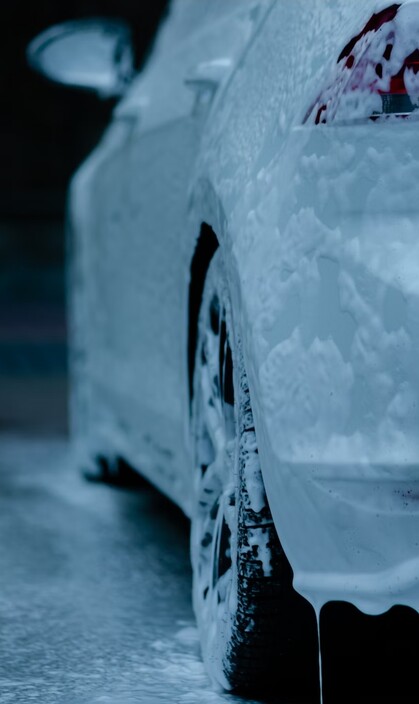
<point>113,470</point>
<point>257,633</point>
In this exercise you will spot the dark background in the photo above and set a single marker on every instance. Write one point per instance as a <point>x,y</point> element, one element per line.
<point>45,132</point>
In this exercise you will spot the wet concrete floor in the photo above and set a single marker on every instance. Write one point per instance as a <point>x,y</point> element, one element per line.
<point>95,597</point>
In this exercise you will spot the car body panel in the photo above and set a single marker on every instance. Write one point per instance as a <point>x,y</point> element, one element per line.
<point>318,229</point>
<point>137,377</point>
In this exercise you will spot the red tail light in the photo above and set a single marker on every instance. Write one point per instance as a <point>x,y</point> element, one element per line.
<point>377,73</point>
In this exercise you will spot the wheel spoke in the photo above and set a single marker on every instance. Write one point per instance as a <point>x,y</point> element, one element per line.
<point>216,378</point>
<point>211,411</point>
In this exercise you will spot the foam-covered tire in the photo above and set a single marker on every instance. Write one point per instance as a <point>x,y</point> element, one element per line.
<point>256,632</point>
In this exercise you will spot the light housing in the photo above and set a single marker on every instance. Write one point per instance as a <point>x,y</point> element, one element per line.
<point>377,73</point>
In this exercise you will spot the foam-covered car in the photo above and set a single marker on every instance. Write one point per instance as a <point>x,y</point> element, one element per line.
<point>244,304</point>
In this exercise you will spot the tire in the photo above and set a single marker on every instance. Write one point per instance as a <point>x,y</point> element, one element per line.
<point>257,634</point>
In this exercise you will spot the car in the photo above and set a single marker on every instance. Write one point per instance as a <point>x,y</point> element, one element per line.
<point>244,305</point>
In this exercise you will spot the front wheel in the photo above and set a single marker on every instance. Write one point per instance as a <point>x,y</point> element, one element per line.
<point>256,632</point>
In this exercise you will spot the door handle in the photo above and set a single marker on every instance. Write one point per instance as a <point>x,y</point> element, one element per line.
<point>209,75</point>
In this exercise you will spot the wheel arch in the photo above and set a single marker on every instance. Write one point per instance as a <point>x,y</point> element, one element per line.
<point>206,246</point>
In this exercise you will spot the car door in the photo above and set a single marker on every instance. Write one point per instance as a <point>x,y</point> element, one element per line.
<point>140,197</point>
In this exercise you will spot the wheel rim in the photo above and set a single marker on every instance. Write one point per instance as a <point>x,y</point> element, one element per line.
<point>214,526</point>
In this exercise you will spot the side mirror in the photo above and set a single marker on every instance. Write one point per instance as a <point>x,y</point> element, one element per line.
<point>94,54</point>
